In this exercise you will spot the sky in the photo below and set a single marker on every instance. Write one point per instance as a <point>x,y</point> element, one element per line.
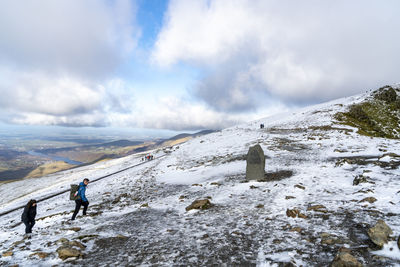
<point>187,65</point>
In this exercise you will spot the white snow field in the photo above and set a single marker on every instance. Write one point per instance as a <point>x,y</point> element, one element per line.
<point>138,217</point>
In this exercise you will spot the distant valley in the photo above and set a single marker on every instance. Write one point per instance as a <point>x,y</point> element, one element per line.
<point>24,157</point>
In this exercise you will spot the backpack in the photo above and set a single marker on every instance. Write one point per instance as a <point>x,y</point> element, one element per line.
<point>73,194</point>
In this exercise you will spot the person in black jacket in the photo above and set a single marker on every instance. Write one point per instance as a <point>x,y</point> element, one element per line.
<point>28,216</point>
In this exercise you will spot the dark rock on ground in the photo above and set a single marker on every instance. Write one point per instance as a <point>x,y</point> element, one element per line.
<point>344,259</point>
<point>201,204</point>
<point>379,234</point>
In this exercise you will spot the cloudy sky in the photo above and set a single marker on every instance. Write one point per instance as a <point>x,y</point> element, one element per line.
<point>188,64</point>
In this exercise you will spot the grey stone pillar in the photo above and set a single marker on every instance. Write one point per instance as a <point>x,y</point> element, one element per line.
<point>255,163</point>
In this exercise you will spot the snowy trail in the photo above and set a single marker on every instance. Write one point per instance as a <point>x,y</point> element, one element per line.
<point>68,190</point>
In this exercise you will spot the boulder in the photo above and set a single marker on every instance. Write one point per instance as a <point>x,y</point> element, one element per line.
<point>255,163</point>
<point>379,234</point>
<point>201,204</point>
<point>65,252</point>
<point>344,259</point>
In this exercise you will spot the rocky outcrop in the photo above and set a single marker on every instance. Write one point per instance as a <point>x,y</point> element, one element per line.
<point>379,234</point>
<point>201,204</point>
<point>255,163</point>
<point>345,259</point>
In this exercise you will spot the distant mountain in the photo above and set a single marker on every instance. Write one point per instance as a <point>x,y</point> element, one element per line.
<point>184,135</point>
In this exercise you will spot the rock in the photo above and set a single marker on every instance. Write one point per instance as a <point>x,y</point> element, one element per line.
<point>344,259</point>
<point>197,185</point>
<point>289,197</point>
<point>62,241</point>
<point>292,213</point>
<point>360,179</point>
<point>328,239</point>
<point>379,233</point>
<point>296,229</point>
<point>16,243</point>
<point>368,199</point>
<point>40,254</point>
<point>215,183</point>
<point>319,208</point>
<point>7,254</point>
<point>300,187</point>
<point>260,206</point>
<point>295,213</point>
<point>145,205</point>
<point>255,163</point>
<point>253,187</point>
<point>182,197</point>
<point>201,204</point>
<point>68,252</point>
<point>76,244</point>
<point>75,229</point>
<point>122,237</point>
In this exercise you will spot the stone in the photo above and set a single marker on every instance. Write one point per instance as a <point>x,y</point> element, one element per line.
<point>76,244</point>
<point>289,197</point>
<point>255,163</point>
<point>40,254</point>
<point>379,234</point>
<point>16,243</point>
<point>300,187</point>
<point>7,254</point>
<point>260,206</point>
<point>295,213</point>
<point>318,208</point>
<point>68,252</point>
<point>344,259</point>
<point>360,179</point>
<point>75,229</point>
<point>62,240</point>
<point>201,204</point>
<point>292,213</point>
<point>368,199</point>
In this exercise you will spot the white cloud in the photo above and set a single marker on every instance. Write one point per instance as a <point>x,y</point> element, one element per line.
<point>58,60</point>
<point>299,51</point>
<point>86,38</point>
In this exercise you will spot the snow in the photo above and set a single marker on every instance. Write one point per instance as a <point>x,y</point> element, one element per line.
<point>234,231</point>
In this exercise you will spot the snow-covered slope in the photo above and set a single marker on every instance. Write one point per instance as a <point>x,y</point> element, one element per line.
<point>139,217</point>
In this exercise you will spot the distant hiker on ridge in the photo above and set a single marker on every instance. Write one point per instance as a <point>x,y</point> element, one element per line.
<point>28,216</point>
<point>81,200</point>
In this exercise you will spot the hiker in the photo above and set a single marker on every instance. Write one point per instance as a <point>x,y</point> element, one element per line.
<point>28,216</point>
<point>82,200</point>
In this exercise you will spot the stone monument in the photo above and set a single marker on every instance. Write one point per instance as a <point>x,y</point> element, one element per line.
<point>255,163</point>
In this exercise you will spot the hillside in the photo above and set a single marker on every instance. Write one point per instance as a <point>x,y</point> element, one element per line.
<point>326,184</point>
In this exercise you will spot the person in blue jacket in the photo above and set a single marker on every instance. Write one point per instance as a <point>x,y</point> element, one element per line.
<point>82,200</point>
